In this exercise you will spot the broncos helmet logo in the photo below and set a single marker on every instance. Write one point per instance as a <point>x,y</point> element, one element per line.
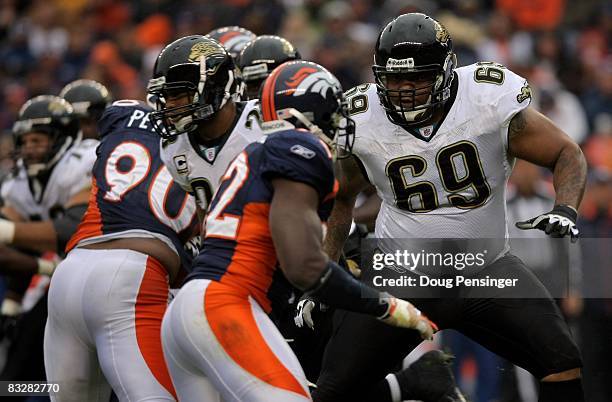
<point>234,41</point>
<point>309,79</point>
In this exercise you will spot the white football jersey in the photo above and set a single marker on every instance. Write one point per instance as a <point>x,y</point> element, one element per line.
<point>451,183</point>
<point>199,171</point>
<point>71,175</point>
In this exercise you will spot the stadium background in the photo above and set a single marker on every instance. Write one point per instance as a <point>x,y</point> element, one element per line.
<point>562,47</point>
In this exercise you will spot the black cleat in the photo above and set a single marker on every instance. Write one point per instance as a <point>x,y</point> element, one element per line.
<point>430,379</point>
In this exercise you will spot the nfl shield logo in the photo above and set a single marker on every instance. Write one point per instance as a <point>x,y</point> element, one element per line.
<point>426,131</point>
<point>210,154</point>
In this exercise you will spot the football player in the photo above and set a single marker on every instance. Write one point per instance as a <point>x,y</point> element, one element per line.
<point>259,57</point>
<point>438,144</point>
<point>44,200</point>
<point>266,214</point>
<point>202,127</point>
<point>89,98</point>
<point>108,297</point>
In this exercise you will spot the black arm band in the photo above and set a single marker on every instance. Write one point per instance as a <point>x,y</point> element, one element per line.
<point>67,224</point>
<point>338,288</point>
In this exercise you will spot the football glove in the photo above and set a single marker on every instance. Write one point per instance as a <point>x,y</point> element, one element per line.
<point>303,313</point>
<point>559,222</point>
<point>304,310</point>
<point>192,246</point>
<point>353,268</point>
<point>403,314</point>
<point>10,314</point>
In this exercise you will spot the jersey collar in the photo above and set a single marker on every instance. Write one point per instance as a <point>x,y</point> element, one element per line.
<point>427,132</point>
<point>209,150</point>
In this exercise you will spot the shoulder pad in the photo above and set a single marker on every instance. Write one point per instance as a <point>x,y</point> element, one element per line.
<point>118,112</point>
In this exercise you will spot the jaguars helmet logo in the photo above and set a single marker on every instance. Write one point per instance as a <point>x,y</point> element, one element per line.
<point>206,49</point>
<point>525,94</point>
<point>442,34</point>
<point>56,107</point>
<point>287,47</point>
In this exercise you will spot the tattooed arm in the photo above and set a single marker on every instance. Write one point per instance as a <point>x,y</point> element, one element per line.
<point>351,181</point>
<point>534,138</point>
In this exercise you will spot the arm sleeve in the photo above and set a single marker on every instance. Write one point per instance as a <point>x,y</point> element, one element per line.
<point>299,157</point>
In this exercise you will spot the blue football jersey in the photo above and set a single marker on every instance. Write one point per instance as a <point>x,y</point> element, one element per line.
<point>133,194</point>
<point>238,247</point>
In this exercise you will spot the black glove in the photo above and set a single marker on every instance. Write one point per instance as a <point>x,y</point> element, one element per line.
<point>193,245</point>
<point>559,222</point>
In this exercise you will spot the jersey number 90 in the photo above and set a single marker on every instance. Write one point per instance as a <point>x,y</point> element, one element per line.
<point>122,181</point>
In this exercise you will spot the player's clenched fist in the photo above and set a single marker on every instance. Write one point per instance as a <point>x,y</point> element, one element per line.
<point>403,314</point>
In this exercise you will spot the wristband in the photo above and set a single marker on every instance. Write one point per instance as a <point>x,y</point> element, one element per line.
<point>566,211</point>
<point>45,267</point>
<point>10,307</point>
<point>7,231</point>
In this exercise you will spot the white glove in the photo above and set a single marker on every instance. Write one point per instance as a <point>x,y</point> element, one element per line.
<point>303,313</point>
<point>403,314</point>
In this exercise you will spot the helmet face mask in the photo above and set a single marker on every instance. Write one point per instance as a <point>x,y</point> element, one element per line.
<point>193,79</point>
<point>49,116</point>
<point>302,94</point>
<point>413,68</point>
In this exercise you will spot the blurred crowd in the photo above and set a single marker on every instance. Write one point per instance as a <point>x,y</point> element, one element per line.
<point>562,47</point>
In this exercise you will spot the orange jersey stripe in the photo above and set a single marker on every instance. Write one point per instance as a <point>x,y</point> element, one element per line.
<point>254,259</point>
<point>91,224</point>
<point>149,311</point>
<point>231,319</point>
<point>332,195</point>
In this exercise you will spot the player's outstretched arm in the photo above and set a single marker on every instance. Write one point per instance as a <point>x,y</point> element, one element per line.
<point>14,262</point>
<point>296,232</point>
<point>351,182</point>
<point>49,235</point>
<point>534,138</point>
